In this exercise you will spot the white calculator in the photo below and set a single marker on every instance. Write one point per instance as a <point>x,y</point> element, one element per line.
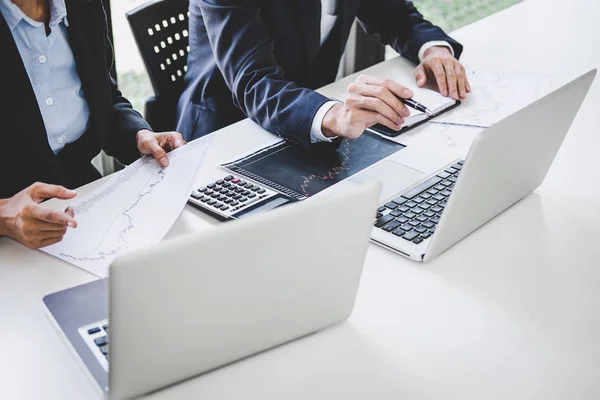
<point>233,197</point>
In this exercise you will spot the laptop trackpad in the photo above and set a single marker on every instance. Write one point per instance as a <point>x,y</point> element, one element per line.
<point>394,177</point>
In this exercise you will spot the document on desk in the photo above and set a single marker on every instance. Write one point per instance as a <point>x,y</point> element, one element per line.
<point>495,95</point>
<point>135,208</point>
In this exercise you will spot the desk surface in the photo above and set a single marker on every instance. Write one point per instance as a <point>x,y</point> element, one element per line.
<point>512,311</point>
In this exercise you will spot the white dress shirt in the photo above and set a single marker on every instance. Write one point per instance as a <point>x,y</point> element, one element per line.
<point>51,68</point>
<point>328,20</point>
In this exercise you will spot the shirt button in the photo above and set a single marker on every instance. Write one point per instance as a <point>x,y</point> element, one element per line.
<point>42,59</point>
<point>49,101</point>
<point>60,140</point>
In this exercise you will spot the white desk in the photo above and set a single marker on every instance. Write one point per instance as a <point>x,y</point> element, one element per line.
<point>512,311</point>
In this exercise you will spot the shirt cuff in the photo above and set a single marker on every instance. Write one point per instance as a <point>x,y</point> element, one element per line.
<point>316,133</point>
<point>434,43</point>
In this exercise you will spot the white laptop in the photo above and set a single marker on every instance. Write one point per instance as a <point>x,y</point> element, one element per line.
<point>196,303</point>
<point>506,162</point>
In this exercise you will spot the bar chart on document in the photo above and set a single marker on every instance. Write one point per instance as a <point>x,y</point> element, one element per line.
<point>135,208</point>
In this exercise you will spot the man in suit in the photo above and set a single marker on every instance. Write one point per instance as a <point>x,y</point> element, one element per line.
<point>60,108</point>
<point>262,59</point>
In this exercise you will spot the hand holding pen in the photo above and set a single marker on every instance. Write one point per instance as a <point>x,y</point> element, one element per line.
<point>370,101</point>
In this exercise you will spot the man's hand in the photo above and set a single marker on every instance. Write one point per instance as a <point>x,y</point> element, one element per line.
<point>25,220</point>
<point>370,101</point>
<point>449,74</point>
<point>159,144</point>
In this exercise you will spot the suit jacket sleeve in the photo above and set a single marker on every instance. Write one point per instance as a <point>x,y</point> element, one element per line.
<point>121,140</point>
<point>243,49</point>
<point>400,25</point>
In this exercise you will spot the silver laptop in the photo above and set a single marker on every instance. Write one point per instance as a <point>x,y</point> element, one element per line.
<point>199,302</point>
<point>506,162</point>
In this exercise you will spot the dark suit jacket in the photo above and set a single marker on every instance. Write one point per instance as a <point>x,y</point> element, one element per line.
<point>259,58</point>
<point>113,124</point>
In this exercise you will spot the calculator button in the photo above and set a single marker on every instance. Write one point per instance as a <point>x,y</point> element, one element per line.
<point>237,196</point>
<point>261,191</point>
<point>202,190</point>
<point>234,203</point>
<point>251,196</point>
<point>93,330</point>
<point>255,189</point>
<point>205,199</point>
<point>238,189</point>
<point>211,186</point>
<point>212,202</point>
<point>225,208</point>
<point>224,190</point>
<point>249,185</point>
<point>228,178</point>
<point>196,195</point>
<point>218,205</point>
<point>221,198</point>
<point>219,182</point>
<point>243,199</point>
<point>227,201</point>
<point>215,195</point>
<point>231,193</point>
<point>236,180</point>
<point>242,183</point>
<point>208,192</point>
<point>226,184</point>
<point>245,193</point>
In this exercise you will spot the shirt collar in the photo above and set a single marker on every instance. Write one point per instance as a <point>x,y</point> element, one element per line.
<point>14,15</point>
<point>58,13</point>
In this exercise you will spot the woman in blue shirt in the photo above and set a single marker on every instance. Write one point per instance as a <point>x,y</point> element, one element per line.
<point>60,108</point>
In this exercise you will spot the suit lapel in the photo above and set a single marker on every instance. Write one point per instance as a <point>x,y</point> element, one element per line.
<point>89,55</point>
<point>309,19</point>
<point>20,102</point>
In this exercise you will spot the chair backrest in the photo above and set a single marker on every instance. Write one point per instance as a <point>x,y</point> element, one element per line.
<point>160,28</point>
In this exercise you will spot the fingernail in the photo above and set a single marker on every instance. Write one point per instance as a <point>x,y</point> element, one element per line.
<point>72,192</point>
<point>407,92</point>
<point>164,161</point>
<point>420,81</point>
<point>71,224</point>
<point>400,120</point>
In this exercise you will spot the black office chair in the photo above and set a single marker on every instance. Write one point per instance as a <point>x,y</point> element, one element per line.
<point>160,29</point>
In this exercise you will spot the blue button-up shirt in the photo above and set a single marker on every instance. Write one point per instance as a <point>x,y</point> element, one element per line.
<point>51,67</point>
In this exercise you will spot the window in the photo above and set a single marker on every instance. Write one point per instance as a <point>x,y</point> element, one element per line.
<point>131,72</point>
<point>453,14</point>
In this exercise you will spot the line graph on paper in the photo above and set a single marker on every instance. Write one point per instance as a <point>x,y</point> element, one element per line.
<point>133,209</point>
<point>495,95</point>
<point>300,173</point>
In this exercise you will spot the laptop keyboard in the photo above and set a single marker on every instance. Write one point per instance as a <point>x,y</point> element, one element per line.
<point>95,335</point>
<point>101,341</point>
<point>414,215</point>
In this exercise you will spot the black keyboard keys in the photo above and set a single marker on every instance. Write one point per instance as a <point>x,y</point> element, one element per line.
<point>390,226</point>
<point>101,341</point>
<point>410,235</point>
<point>422,187</point>
<point>383,220</point>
